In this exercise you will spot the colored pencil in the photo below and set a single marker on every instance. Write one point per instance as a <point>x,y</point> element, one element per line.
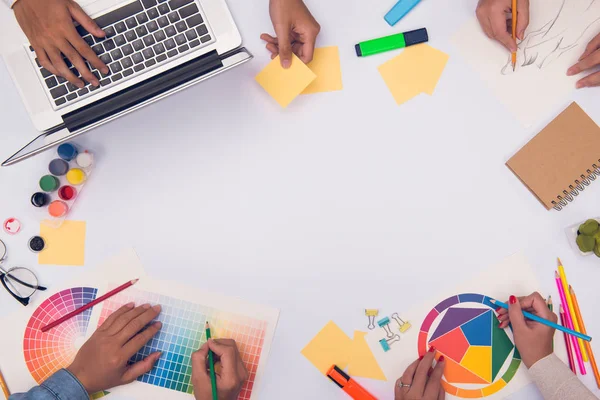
<point>588,345</point>
<point>514,32</point>
<point>551,308</point>
<point>567,341</point>
<point>565,283</point>
<point>4,387</point>
<point>544,321</point>
<point>569,322</point>
<point>88,306</point>
<point>211,366</point>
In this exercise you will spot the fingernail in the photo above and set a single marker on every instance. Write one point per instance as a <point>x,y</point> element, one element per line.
<point>441,359</point>
<point>421,358</point>
<point>146,306</point>
<point>158,324</point>
<point>431,349</point>
<point>287,63</point>
<point>130,305</point>
<point>571,71</point>
<point>512,299</point>
<point>498,309</point>
<point>579,85</point>
<point>80,85</point>
<point>156,307</point>
<point>105,70</point>
<point>95,83</point>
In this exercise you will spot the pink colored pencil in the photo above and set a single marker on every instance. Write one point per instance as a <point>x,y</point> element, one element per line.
<point>87,306</point>
<point>567,343</point>
<point>563,300</point>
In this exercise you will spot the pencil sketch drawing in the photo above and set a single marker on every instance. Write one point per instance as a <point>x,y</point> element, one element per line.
<point>568,28</point>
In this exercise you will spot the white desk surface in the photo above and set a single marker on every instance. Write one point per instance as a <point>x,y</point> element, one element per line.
<point>340,202</point>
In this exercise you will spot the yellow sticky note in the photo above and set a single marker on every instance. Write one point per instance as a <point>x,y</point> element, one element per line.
<point>330,347</point>
<point>65,245</point>
<point>416,70</point>
<point>327,67</point>
<point>362,361</point>
<point>284,85</point>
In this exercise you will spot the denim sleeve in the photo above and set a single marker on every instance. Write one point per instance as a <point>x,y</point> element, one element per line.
<point>60,386</point>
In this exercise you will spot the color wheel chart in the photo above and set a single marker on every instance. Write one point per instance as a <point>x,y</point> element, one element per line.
<point>46,353</point>
<point>464,328</point>
<point>183,333</point>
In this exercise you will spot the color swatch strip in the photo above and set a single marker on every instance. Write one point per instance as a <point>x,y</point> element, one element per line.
<point>182,333</point>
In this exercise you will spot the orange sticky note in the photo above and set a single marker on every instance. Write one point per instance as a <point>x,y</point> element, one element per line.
<point>416,70</point>
<point>64,245</point>
<point>284,85</point>
<point>327,67</point>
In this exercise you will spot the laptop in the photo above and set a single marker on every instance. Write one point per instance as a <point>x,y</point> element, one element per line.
<point>153,48</point>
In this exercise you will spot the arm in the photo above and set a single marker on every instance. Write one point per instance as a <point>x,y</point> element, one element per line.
<point>556,381</point>
<point>61,385</point>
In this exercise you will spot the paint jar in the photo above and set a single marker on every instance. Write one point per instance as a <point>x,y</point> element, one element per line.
<point>76,176</point>
<point>58,209</point>
<point>67,151</point>
<point>49,183</point>
<point>67,192</point>
<point>58,167</point>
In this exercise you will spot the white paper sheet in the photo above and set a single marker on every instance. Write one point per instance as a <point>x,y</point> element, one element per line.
<point>227,314</point>
<point>512,276</point>
<point>558,32</point>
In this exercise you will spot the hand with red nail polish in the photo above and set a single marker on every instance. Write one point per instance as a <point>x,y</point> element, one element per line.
<point>424,379</point>
<point>533,340</point>
<point>101,363</point>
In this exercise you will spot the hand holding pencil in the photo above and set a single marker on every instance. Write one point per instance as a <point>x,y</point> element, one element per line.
<point>492,18</point>
<point>231,375</point>
<point>533,340</point>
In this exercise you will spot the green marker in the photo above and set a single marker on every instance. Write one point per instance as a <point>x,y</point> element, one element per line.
<point>391,42</point>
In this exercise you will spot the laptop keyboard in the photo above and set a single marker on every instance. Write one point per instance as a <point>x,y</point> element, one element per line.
<point>139,36</point>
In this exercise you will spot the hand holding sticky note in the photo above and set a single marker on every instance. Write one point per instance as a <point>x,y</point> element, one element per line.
<point>284,85</point>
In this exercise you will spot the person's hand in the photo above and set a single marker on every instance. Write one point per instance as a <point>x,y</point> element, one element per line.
<point>48,24</point>
<point>533,340</point>
<point>420,381</point>
<point>101,363</point>
<point>296,31</point>
<point>588,60</point>
<point>492,18</point>
<point>231,373</point>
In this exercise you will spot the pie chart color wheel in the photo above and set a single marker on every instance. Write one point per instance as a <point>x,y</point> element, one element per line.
<point>46,353</point>
<point>474,346</point>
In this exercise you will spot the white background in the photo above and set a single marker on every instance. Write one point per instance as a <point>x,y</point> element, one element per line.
<point>340,202</point>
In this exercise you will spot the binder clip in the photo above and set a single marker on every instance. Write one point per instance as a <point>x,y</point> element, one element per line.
<point>371,313</point>
<point>403,326</point>
<point>386,343</point>
<point>384,323</point>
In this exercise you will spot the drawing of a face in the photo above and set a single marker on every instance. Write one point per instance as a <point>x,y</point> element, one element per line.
<point>572,21</point>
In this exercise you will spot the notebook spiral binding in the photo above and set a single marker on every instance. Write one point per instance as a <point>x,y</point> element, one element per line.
<point>574,190</point>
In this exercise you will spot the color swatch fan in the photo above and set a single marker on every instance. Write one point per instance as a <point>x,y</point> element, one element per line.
<point>480,357</point>
<point>46,353</point>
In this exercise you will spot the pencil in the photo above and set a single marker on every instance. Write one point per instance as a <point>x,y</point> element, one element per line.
<point>567,341</point>
<point>569,322</point>
<point>211,366</point>
<point>4,386</point>
<point>565,283</point>
<point>514,32</point>
<point>588,346</point>
<point>87,306</point>
<point>544,321</point>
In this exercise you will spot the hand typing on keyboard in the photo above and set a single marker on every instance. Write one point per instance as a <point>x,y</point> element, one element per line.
<point>49,27</point>
<point>296,31</point>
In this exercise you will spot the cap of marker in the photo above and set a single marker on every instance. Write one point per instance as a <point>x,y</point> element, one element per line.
<point>36,244</point>
<point>12,226</point>
<point>392,42</point>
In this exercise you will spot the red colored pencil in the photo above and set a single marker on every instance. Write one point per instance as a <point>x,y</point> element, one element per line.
<point>567,341</point>
<point>88,306</point>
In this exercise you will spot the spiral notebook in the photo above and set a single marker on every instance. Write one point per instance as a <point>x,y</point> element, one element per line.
<point>561,160</point>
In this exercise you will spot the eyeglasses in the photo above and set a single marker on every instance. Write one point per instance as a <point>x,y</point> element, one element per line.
<point>20,282</point>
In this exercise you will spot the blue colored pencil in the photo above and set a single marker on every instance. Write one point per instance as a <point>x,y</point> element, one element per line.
<point>546,322</point>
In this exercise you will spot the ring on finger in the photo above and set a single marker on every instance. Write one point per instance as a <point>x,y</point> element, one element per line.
<point>403,385</point>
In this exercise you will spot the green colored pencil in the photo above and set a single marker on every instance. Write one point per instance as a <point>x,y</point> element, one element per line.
<point>211,366</point>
